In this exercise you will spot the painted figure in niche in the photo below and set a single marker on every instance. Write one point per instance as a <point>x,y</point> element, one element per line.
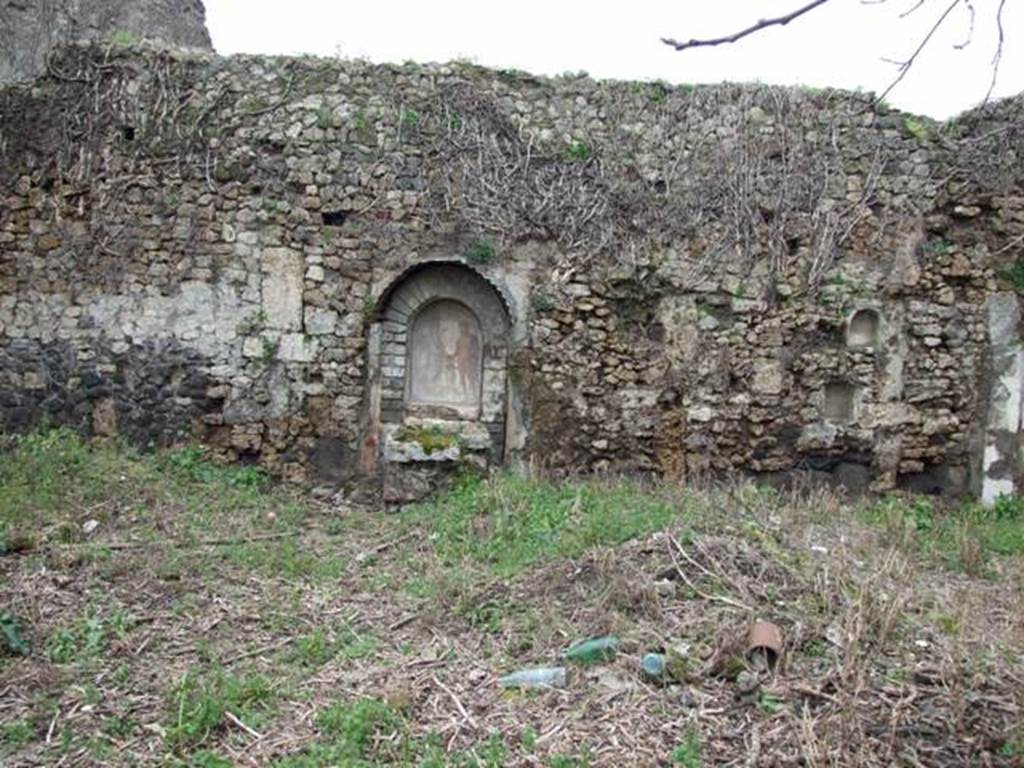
<point>445,356</point>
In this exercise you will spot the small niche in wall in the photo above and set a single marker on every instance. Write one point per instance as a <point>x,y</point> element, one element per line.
<point>333,218</point>
<point>862,330</point>
<point>838,407</point>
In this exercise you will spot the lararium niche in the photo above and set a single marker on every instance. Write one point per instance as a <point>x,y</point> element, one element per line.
<point>438,361</point>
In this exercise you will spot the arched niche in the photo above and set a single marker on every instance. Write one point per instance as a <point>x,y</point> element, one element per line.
<point>863,328</point>
<point>441,347</point>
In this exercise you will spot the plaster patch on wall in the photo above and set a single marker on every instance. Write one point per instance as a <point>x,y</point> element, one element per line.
<point>283,272</point>
<point>202,316</point>
<point>992,487</point>
<point>1000,458</point>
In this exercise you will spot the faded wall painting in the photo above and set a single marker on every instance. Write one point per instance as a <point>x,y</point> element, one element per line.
<point>445,356</point>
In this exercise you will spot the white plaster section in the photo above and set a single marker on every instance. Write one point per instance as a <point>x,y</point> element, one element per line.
<point>992,488</point>
<point>1011,381</point>
<point>1001,458</point>
<point>202,316</point>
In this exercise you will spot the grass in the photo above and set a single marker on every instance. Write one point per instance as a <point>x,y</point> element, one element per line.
<point>17,733</point>
<point>52,482</point>
<point>510,522</point>
<point>200,703</point>
<point>367,732</point>
<point>210,605</point>
<point>965,536</point>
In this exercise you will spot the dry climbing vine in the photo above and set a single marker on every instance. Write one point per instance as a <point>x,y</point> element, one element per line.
<point>759,194</point>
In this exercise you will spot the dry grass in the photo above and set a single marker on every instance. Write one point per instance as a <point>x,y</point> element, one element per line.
<point>303,641</point>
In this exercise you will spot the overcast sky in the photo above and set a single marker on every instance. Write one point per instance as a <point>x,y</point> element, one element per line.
<point>841,44</point>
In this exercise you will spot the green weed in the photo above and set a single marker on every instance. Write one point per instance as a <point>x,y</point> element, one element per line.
<point>936,248</point>
<point>917,127</point>
<point>314,649</point>
<point>657,92</point>
<point>410,118</point>
<point>17,733</point>
<point>1011,749</point>
<point>354,645</point>
<point>199,703</point>
<point>252,323</point>
<point>123,37</point>
<point>286,558</point>
<point>493,753</point>
<point>480,252</point>
<point>120,726</point>
<point>45,472</point>
<point>511,521</point>
<point>965,536</point>
<point>348,733</point>
<point>191,463</point>
<point>61,647</point>
<point>529,739</point>
<point>12,632</point>
<point>1014,275</point>
<point>568,761</point>
<point>369,309</point>
<point>268,349</point>
<point>207,759</point>
<point>769,704</point>
<point>431,439</point>
<point>85,639</point>
<point>323,117</point>
<point>578,151</point>
<point>688,754</point>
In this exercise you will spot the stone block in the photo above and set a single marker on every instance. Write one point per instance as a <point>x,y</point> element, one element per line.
<point>282,288</point>
<point>297,348</point>
<point>320,322</point>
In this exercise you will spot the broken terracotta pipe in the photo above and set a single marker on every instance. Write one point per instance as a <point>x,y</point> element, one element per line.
<point>764,643</point>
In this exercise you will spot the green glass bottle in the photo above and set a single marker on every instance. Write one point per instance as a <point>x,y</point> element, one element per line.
<point>595,650</point>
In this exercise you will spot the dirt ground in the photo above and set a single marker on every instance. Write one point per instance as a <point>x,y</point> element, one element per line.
<point>300,631</point>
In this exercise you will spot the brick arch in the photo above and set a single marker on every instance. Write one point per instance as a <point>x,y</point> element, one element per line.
<point>434,280</point>
<point>461,289</point>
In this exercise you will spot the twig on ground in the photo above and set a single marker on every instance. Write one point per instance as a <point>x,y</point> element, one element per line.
<point>365,555</point>
<point>455,699</point>
<point>254,733</point>
<point>261,649</point>
<point>677,547</point>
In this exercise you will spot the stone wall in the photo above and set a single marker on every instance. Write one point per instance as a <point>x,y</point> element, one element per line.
<point>29,29</point>
<point>197,246</point>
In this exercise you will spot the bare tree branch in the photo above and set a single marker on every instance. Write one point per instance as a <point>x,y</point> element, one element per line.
<point>778,21</point>
<point>905,66</point>
<point>970,32</point>
<point>997,59</point>
<point>910,11</point>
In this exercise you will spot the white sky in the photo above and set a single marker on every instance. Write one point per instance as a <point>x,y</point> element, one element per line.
<point>841,44</point>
